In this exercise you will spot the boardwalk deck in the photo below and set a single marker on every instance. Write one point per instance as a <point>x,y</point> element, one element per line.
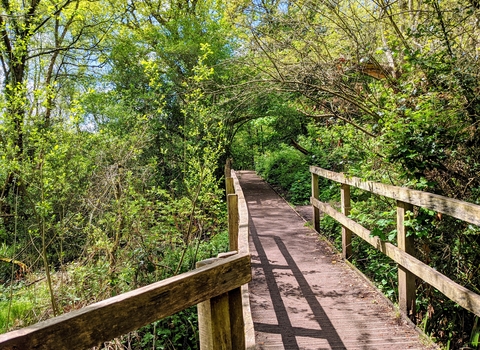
<point>302,295</point>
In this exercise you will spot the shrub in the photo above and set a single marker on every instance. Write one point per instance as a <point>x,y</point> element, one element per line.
<point>288,169</point>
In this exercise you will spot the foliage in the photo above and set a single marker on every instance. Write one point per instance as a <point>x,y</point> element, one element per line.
<point>117,118</point>
<point>175,332</point>
<point>110,150</point>
<point>288,169</point>
<point>14,313</point>
<point>389,93</point>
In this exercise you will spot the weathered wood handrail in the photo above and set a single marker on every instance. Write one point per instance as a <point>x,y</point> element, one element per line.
<point>218,286</point>
<point>225,322</point>
<point>127,312</point>
<point>409,267</point>
<point>238,218</point>
<point>458,209</point>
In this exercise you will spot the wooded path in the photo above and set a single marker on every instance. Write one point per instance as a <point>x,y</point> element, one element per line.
<point>303,296</point>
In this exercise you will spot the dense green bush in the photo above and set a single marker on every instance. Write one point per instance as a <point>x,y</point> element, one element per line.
<point>179,331</point>
<point>288,169</point>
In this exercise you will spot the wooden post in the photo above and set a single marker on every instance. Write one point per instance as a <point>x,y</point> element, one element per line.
<point>316,211</point>
<point>233,221</point>
<point>229,186</point>
<point>205,331</point>
<point>237,322</point>
<point>221,330</point>
<point>346,233</point>
<point>406,279</point>
<point>220,319</point>
<point>214,323</point>
<point>228,168</point>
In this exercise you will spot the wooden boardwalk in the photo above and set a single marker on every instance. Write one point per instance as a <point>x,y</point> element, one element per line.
<point>303,296</point>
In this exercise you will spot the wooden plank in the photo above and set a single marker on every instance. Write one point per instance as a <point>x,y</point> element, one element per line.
<point>248,320</point>
<point>243,247</point>
<point>406,280</point>
<point>220,321</point>
<point>233,221</point>
<point>237,325</point>
<point>119,315</point>
<point>243,228</point>
<point>316,211</point>
<point>459,294</point>
<point>228,168</point>
<point>458,209</point>
<point>205,327</point>
<point>221,336</point>
<point>346,233</point>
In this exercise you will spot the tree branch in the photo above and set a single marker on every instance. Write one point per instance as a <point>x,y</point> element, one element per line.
<point>336,115</point>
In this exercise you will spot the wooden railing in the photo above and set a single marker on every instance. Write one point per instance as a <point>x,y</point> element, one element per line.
<point>409,266</point>
<point>227,319</point>
<point>218,286</point>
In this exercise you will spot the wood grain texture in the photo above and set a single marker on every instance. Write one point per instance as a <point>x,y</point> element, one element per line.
<point>243,247</point>
<point>220,319</point>
<point>316,212</point>
<point>459,294</point>
<point>229,185</point>
<point>406,280</point>
<point>221,329</point>
<point>458,209</point>
<point>119,315</point>
<point>228,168</point>
<point>233,221</point>
<point>346,233</point>
<point>205,330</point>
<point>237,324</point>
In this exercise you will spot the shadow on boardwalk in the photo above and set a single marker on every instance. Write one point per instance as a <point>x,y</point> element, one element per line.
<point>302,295</point>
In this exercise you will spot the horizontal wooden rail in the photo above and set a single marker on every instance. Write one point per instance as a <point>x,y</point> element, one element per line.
<point>459,294</point>
<point>465,211</point>
<point>127,312</point>
<point>409,265</point>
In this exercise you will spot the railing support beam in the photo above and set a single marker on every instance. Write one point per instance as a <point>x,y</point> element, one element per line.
<point>410,268</point>
<point>406,279</point>
<point>237,322</point>
<point>214,323</point>
<point>220,319</point>
<point>346,233</point>
<point>316,211</point>
<point>229,185</point>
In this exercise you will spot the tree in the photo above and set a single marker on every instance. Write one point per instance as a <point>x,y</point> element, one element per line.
<point>44,44</point>
<point>389,92</point>
<point>401,73</point>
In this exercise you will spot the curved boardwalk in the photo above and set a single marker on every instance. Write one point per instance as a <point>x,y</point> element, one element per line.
<point>302,295</point>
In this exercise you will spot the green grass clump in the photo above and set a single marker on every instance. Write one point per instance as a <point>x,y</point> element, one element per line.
<point>13,313</point>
